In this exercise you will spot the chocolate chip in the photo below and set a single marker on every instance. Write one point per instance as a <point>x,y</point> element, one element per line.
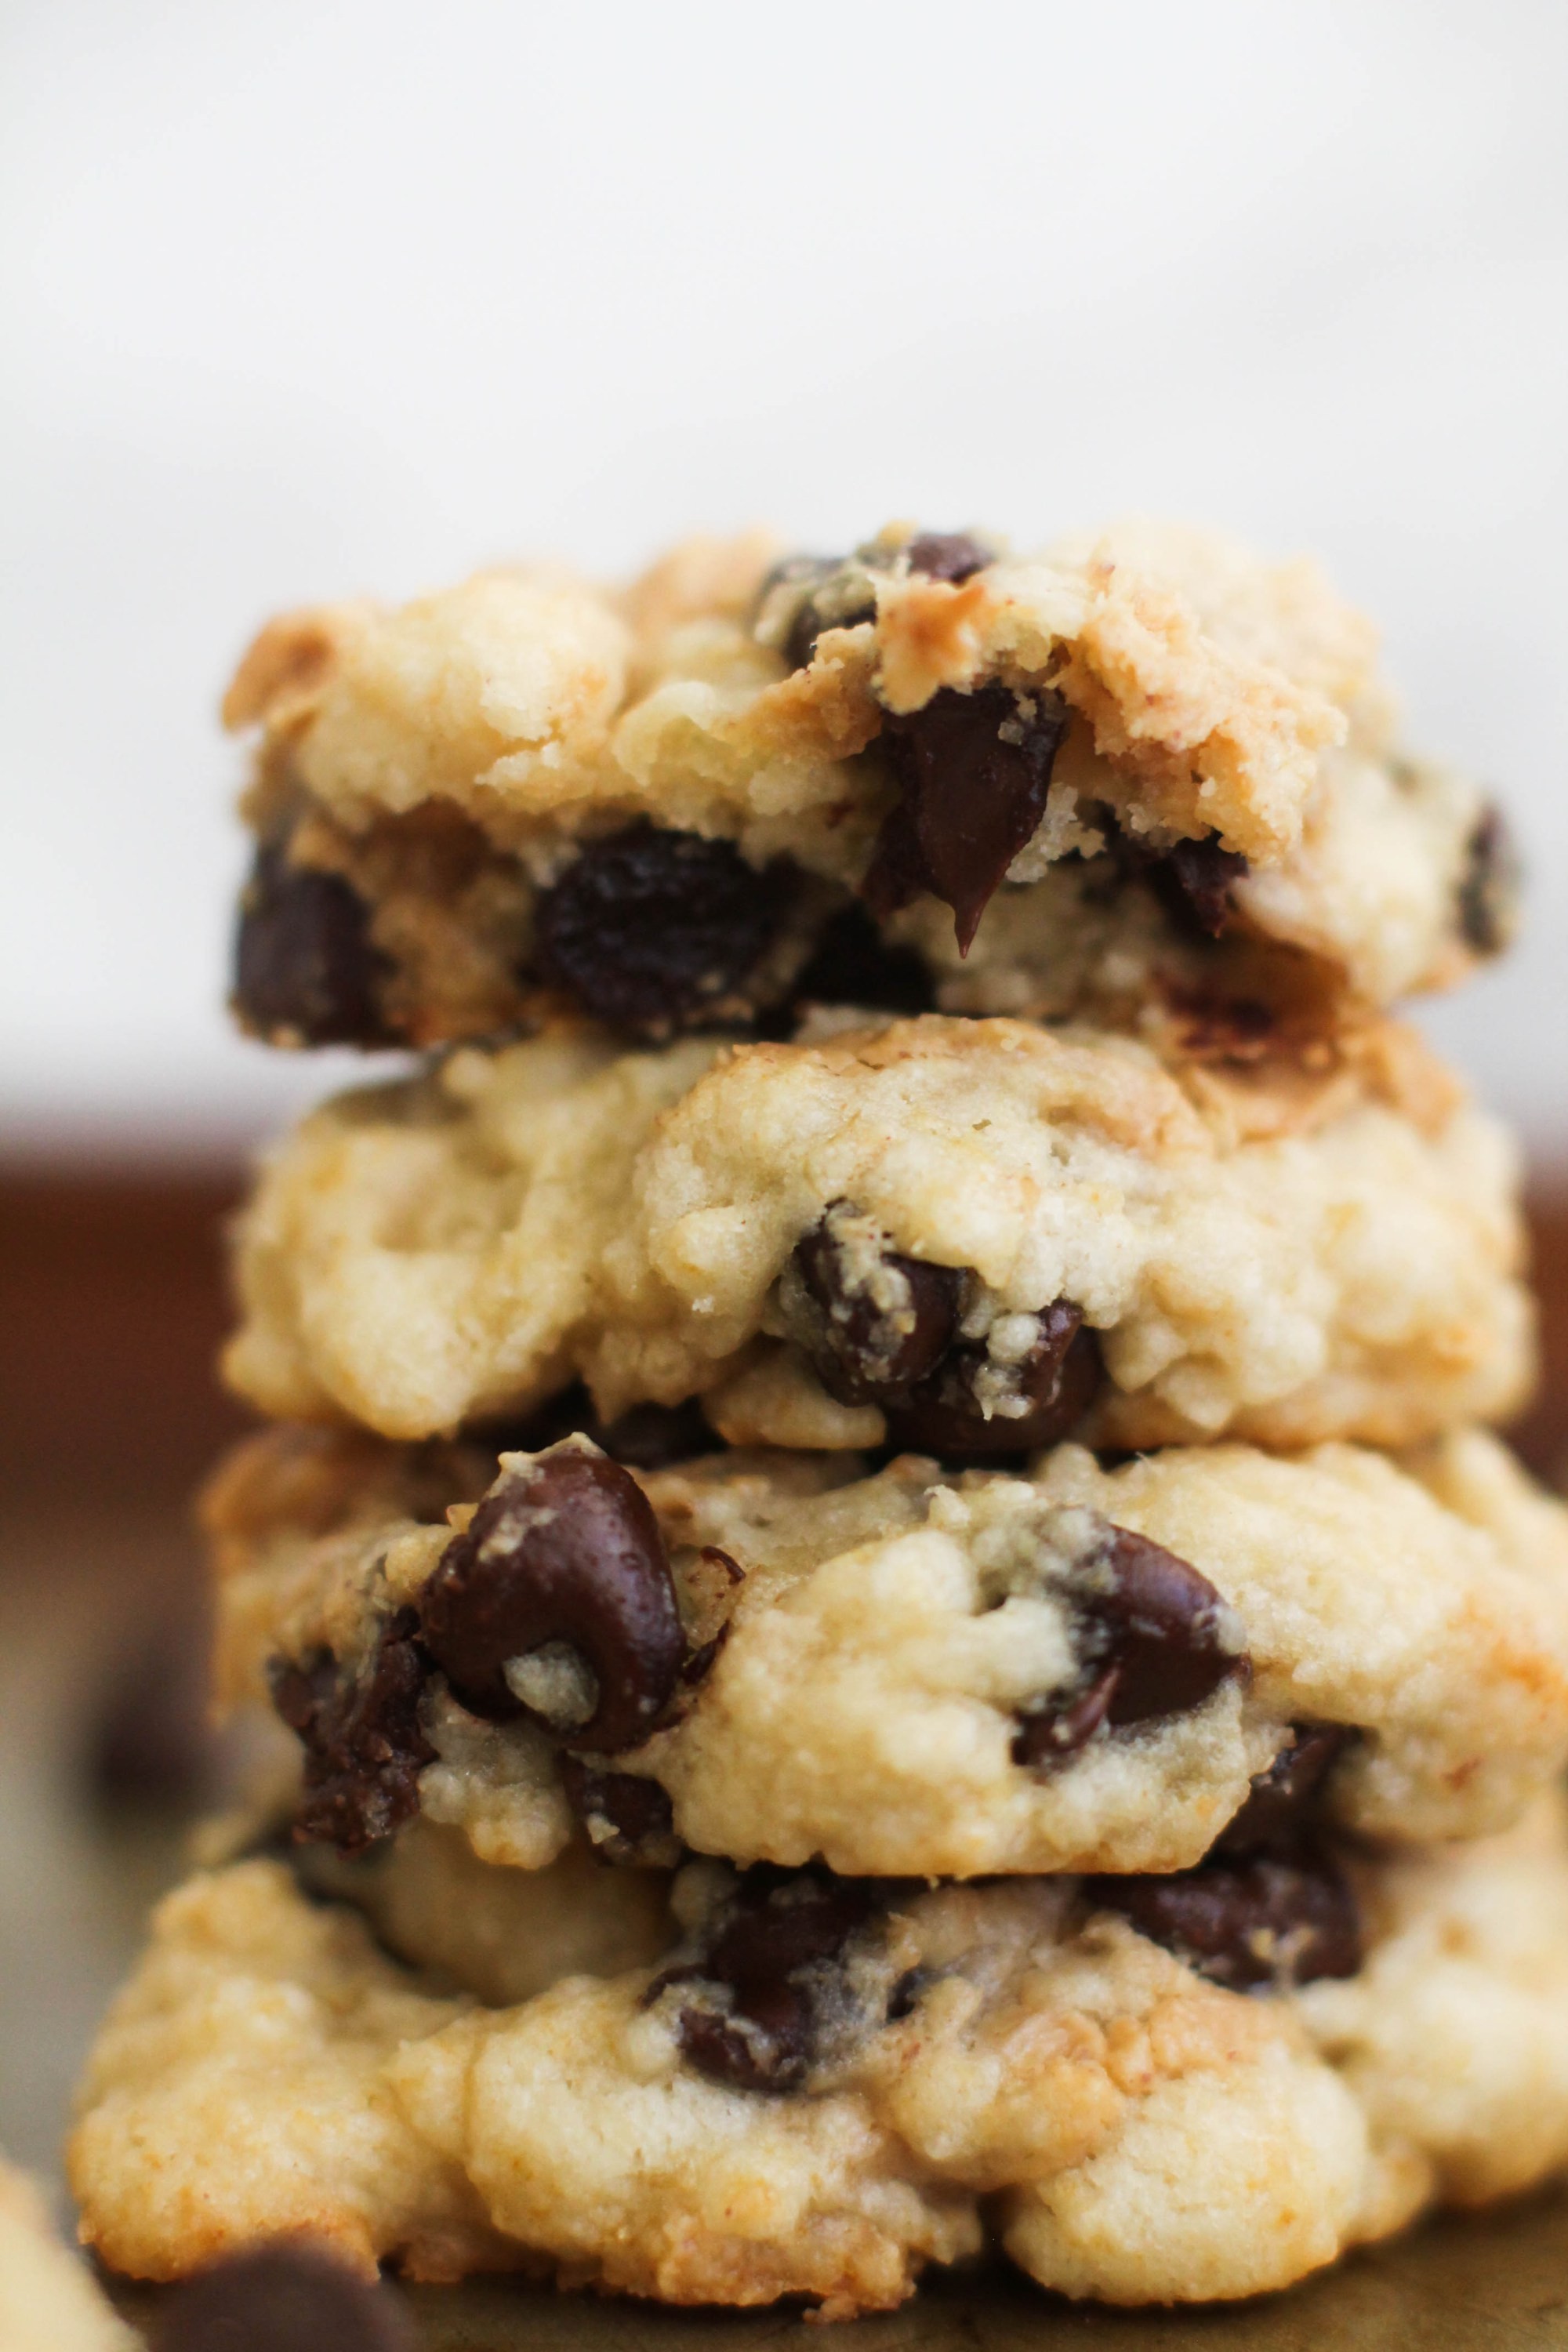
<point>876,1322</point>
<point>630,1819</point>
<point>364,1749</point>
<point>973,772</point>
<point>647,1437</point>
<point>1252,1921</point>
<point>1284,1801</point>
<point>1156,1639</point>
<point>652,931</point>
<point>1056,1382</point>
<point>766,1971</point>
<point>947,555</point>
<point>1488,892</point>
<point>1051,1734</point>
<point>563,1564</point>
<point>853,964</point>
<point>1196,880</point>
<point>304,969</point>
<point>805,595</point>
<point>286,2297</point>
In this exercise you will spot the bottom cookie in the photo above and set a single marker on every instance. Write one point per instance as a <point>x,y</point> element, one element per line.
<point>829,2083</point>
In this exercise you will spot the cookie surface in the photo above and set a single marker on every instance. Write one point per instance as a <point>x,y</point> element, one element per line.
<point>1150,1254</point>
<point>716,795</point>
<point>915,1672</point>
<point>823,2082</point>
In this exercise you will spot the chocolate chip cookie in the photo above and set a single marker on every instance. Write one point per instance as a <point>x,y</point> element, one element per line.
<point>823,2083</point>
<point>968,1237</point>
<point>1142,777</point>
<point>916,1673</point>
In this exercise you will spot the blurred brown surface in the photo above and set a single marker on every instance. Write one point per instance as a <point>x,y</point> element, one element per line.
<point>112,1302</point>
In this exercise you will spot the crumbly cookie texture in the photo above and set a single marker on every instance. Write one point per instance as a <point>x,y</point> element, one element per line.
<point>48,2301</point>
<point>466,805</point>
<point>910,1671</point>
<point>1287,1254</point>
<point>1137,2131</point>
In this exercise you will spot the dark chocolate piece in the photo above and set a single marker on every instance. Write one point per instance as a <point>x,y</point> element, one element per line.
<point>565,1554</point>
<point>973,772</point>
<point>305,971</point>
<point>652,931</point>
<point>1247,1921</point>
<point>364,1748</point>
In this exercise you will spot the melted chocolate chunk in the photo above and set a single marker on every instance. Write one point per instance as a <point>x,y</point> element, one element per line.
<point>364,1749</point>
<point>1196,879</point>
<point>286,2297</point>
<point>945,1413</point>
<point>1489,893</point>
<point>652,931</point>
<point>1154,1637</point>
<point>973,772</point>
<point>879,1322</point>
<point>1245,1921</point>
<point>304,969</point>
<point>564,1558</point>
<point>629,1819</point>
<point>1284,1801</point>
<point>767,1971</point>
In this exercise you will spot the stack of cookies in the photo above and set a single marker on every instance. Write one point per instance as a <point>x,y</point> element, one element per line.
<point>888,1620</point>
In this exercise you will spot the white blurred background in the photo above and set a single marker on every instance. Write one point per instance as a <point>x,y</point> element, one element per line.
<point>328,295</point>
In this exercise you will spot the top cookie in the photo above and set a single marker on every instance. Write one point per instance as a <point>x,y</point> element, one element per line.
<point>1143,777</point>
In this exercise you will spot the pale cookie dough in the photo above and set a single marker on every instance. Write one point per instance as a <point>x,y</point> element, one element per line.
<point>48,2303</point>
<point>1295,1254</point>
<point>909,1671</point>
<point>830,2084</point>
<point>713,796</point>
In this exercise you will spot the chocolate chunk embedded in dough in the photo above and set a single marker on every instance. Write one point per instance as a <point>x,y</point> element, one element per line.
<point>629,1819</point>
<point>876,1322</point>
<point>652,931</point>
<point>764,1977</point>
<point>305,971</point>
<point>1247,1921</point>
<point>1157,1640</point>
<point>563,1565</point>
<point>950,555</point>
<point>364,1749</point>
<point>1197,880</point>
<point>972,771</point>
<point>972,1409</point>
<point>1285,1801</point>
